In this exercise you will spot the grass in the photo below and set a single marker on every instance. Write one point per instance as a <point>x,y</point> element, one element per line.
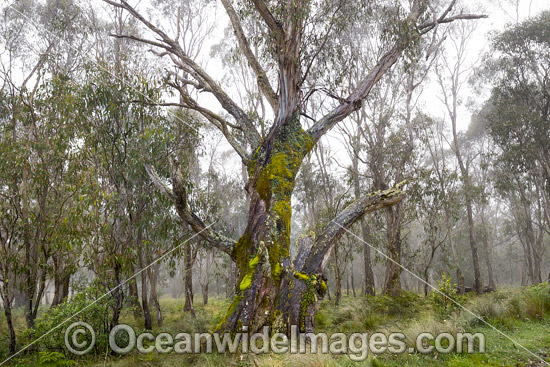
<point>523,314</point>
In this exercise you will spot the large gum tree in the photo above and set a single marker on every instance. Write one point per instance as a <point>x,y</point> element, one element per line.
<point>274,289</point>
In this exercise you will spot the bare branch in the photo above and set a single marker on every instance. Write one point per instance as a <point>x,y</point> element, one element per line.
<point>244,45</point>
<point>324,243</point>
<point>139,39</point>
<point>178,196</point>
<point>219,122</point>
<point>428,26</point>
<point>354,101</point>
<point>182,60</point>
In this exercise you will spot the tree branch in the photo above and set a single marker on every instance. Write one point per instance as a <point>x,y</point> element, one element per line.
<point>215,119</point>
<point>185,63</point>
<point>354,101</point>
<point>274,26</point>
<point>178,196</point>
<point>428,26</point>
<point>263,81</point>
<point>320,252</point>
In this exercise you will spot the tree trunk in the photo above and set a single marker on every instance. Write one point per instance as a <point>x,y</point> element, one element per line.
<point>117,294</point>
<point>426,281</point>
<point>62,280</point>
<point>337,277</point>
<point>473,245</point>
<point>392,283</point>
<point>489,264</point>
<point>147,322</point>
<point>188,278</point>
<point>204,289</point>
<point>352,280</point>
<point>230,281</point>
<point>270,290</point>
<point>133,298</point>
<point>153,279</point>
<point>487,252</point>
<point>370,288</point>
<point>7,302</point>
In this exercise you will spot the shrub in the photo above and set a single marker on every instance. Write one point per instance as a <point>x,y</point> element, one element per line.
<point>537,301</point>
<point>492,311</point>
<point>96,314</point>
<point>446,300</point>
<point>406,304</point>
<point>54,359</point>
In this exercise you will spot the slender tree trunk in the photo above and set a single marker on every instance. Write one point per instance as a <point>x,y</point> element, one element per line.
<point>9,320</point>
<point>153,279</point>
<point>473,245</point>
<point>147,322</point>
<point>337,277</point>
<point>426,281</point>
<point>489,264</point>
<point>118,296</point>
<point>369,273</point>
<point>392,283</point>
<point>133,298</point>
<point>538,250</point>
<point>204,289</point>
<point>468,192</point>
<point>352,281</point>
<point>188,278</point>
<point>368,282</point>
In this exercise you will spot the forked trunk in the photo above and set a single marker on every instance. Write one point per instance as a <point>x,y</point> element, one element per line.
<point>274,290</point>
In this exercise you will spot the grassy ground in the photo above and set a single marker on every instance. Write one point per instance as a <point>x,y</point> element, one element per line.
<point>515,313</point>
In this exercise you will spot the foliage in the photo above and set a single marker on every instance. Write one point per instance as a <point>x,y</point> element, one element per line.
<point>537,301</point>
<point>445,300</point>
<point>54,359</point>
<point>86,306</point>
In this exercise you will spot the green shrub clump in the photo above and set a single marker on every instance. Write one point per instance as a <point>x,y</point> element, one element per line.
<point>85,306</point>
<point>445,300</point>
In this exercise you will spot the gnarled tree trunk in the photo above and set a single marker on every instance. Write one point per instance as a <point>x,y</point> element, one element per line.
<point>272,288</point>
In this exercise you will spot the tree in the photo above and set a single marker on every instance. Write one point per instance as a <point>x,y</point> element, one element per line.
<point>272,288</point>
<point>452,73</point>
<point>518,110</point>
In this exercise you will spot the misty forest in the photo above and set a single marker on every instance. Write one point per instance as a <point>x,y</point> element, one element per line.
<point>338,166</point>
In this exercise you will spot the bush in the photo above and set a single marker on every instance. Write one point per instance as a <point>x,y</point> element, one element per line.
<point>54,359</point>
<point>406,304</point>
<point>62,316</point>
<point>446,300</point>
<point>537,301</point>
<point>493,310</point>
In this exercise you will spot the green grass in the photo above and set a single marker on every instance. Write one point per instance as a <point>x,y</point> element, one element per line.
<point>523,315</point>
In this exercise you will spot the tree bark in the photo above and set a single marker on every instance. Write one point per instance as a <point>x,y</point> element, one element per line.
<point>147,323</point>
<point>7,303</point>
<point>153,279</point>
<point>62,279</point>
<point>392,283</point>
<point>133,298</point>
<point>188,278</point>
